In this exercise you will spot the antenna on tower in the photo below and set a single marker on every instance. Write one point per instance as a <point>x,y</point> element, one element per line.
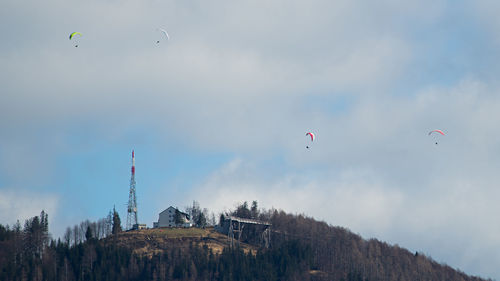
<point>132,202</point>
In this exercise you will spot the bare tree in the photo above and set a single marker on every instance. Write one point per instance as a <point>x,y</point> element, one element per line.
<point>67,236</point>
<point>76,235</point>
<point>213,220</point>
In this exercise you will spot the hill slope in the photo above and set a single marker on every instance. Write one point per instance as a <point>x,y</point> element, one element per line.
<point>301,249</point>
<point>148,242</point>
<point>319,251</point>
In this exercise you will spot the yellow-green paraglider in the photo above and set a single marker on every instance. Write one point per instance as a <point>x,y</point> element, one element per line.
<point>77,34</point>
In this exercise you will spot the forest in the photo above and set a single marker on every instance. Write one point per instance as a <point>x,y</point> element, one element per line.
<point>301,249</point>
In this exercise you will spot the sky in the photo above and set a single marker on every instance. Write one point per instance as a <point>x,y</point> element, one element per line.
<point>219,113</point>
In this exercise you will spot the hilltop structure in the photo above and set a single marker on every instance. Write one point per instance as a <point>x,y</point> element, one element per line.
<point>132,202</point>
<point>167,218</point>
<point>233,226</point>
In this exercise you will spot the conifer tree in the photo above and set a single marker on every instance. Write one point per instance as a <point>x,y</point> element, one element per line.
<point>178,217</point>
<point>116,222</point>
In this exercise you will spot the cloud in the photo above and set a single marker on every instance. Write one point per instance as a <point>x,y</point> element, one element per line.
<point>202,75</point>
<point>444,219</point>
<point>247,79</point>
<point>379,173</point>
<point>349,199</point>
<point>20,205</point>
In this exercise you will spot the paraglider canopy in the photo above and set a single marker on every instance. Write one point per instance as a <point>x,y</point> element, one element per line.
<point>164,32</point>
<point>436,131</point>
<point>73,34</point>
<point>311,135</point>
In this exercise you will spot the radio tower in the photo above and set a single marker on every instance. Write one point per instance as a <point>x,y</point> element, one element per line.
<point>132,202</point>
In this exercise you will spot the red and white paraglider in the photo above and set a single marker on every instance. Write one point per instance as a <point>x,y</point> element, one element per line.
<point>312,136</point>
<point>436,132</point>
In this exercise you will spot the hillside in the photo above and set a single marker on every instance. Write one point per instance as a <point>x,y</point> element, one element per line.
<point>343,255</point>
<point>148,242</point>
<point>301,249</point>
<point>324,252</point>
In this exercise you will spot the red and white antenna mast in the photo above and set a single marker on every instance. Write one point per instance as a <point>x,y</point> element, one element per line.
<point>132,201</point>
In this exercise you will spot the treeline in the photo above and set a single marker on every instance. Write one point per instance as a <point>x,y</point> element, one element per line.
<point>29,254</point>
<point>20,248</point>
<point>99,229</point>
<point>200,217</point>
<point>344,255</point>
<point>79,232</point>
<point>339,254</point>
<point>301,249</point>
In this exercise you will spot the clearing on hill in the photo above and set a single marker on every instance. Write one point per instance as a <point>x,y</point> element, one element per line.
<point>147,242</point>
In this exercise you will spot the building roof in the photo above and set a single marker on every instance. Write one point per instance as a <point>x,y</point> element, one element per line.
<point>182,213</point>
<point>249,221</point>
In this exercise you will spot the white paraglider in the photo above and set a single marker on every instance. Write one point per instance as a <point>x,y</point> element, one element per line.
<point>165,33</point>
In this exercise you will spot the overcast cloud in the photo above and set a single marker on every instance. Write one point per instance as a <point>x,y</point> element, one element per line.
<point>243,81</point>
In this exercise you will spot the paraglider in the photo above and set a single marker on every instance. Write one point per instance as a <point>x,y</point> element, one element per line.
<point>312,136</point>
<point>164,32</point>
<point>73,34</point>
<point>436,131</point>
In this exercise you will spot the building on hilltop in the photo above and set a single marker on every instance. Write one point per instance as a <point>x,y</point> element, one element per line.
<point>233,227</point>
<point>139,226</point>
<point>167,218</point>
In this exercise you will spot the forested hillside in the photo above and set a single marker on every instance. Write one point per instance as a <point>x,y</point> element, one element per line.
<point>301,249</point>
